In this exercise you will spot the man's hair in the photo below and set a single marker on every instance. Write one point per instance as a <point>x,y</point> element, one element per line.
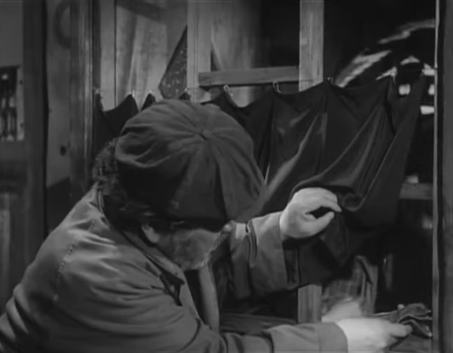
<point>126,212</point>
<point>121,209</point>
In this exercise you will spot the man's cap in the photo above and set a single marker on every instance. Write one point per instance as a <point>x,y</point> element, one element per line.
<point>190,162</point>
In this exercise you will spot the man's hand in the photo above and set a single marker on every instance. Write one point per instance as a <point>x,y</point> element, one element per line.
<point>296,220</point>
<point>371,335</point>
<point>344,309</point>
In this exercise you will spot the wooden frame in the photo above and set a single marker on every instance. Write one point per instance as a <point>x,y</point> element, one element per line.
<point>35,123</point>
<point>443,182</point>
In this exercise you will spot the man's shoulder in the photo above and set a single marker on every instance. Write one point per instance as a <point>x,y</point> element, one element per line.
<point>85,253</point>
<point>96,255</point>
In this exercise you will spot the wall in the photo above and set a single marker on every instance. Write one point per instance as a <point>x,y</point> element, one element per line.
<point>237,41</point>
<point>58,83</point>
<point>147,33</point>
<point>11,33</point>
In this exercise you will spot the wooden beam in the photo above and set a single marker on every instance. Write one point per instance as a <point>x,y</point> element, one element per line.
<point>35,124</point>
<point>81,95</point>
<point>249,77</point>
<point>199,23</point>
<point>443,186</point>
<point>311,51</point>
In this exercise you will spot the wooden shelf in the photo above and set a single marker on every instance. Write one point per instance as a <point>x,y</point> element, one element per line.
<point>249,77</point>
<point>413,344</point>
<point>416,192</point>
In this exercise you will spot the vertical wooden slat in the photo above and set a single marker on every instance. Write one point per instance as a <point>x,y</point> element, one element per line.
<point>5,248</point>
<point>311,49</point>
<point>107,12</point>
<point>199,46</point>
<point>35,123</point>
<point>199,60</point>
<point>81,95</point>
<point>443,186</point>
<point>311,42</point>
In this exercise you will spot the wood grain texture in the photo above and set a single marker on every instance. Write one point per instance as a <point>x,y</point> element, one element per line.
<point>199,46</point>
<point>199,59</point>
<point>35,124</point>
<point>311,51</point>
<point>443,178</point>
<point>311,42</point>
<point>249,77</point>
<point>107,47</point>
<point>81,95</point>
<point>237,42</point>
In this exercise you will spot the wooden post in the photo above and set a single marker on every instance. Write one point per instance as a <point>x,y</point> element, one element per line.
<point>443,183</point>
<point>311,49</point>
<point>35,123</point>
<point>81,95</point>
<point>199,60</point>
<point>311,43</point>
<point>107,55</point>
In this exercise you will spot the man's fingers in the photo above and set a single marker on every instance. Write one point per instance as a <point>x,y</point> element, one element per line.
<point>320,192</point>
<point>324,202</point>
<point>321,223</point>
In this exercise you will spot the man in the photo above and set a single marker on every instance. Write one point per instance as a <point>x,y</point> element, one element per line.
<point>111,277</point>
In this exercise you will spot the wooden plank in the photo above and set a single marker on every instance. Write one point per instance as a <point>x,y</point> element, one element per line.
<point>443,187</point>
<point>416,192</point>
<point>81,95</point>
<point>199,59</point>
<point>311,43</point>
<point>311,51</point>
<point>107,69</point>
<point>35,125</point>
<point>249,77</point>
<point>199,23</point>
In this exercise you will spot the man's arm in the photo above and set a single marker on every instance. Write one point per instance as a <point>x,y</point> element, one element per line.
<point>259,262</point>
<point>135,314</point>
<point>258,258</point>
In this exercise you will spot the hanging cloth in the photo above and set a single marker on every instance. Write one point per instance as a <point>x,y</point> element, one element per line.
<point>119,115</point>
<point>184,96</point>
<point>149,101</point>
<point>353,142</point>
<point>108,124</point>
<point>102,130</point>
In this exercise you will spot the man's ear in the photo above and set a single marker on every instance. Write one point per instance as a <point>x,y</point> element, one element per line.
<point>151,234</point>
